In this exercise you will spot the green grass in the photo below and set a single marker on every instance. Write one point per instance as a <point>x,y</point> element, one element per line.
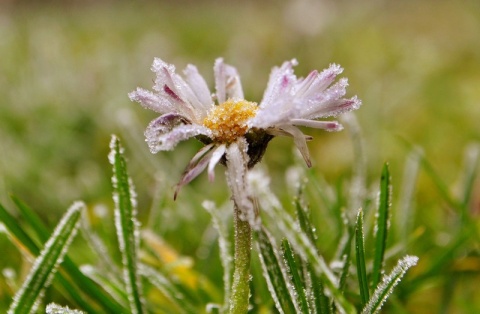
<point>65,73</point>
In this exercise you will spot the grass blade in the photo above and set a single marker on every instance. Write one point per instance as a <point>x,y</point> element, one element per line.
<point>24,241</point>
<point>274,274</point>
<point>126,224</point>
<point>82,282</point>
<point>45,266</point>
<point>53,308</point>
<point>21,239</point>
<point>360,256</point>
<point>310,255</point>
<point>284,222</point>
<point>304,221</point>
<point>320,302</point>
<point>389,282</point>
<point>382,224</point>
<point>293,271</point>
<point>346,258</point>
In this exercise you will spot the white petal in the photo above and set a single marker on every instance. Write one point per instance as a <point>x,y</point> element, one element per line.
<point>194,168</point>
<point>176,90</point>
<point>277,104</point>
<point>201,152</point>
<point>300,141</point>
<point>324,125</point>
<point>198,86</point>
<point>316,82</point>
<point>158,140</point>
<point>151,101</point>
<point>280,132</point>
<point>279,84</point>
<point>216,156</point>
<point>227,82</point>
<point>334,108</point>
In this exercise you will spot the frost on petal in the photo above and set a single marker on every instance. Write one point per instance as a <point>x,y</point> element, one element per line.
<point>236,173</point>
<point>151,101</point>
<point>217,155</point>
<point>171,86</point>
<point>335,107</point>
<point>300,141</point>
<point>324,125</point>
<point>316,82</point>
<point>281,81</point>
<point>198,85</point>
<point>198,163</point>
<point>277,104</point>
<point>159,137</point>
<point>227,82</point>
<point>161,126</point>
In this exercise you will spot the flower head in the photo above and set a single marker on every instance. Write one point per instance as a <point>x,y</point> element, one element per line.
<point>228,124</point>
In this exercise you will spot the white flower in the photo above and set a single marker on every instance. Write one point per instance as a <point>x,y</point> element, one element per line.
<point>236,131</point>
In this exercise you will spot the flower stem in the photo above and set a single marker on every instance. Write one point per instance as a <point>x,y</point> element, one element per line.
<point>241,275</point>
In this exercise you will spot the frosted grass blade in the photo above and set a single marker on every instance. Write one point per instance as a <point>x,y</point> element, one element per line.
<point>113,286</point>
<point>98,246</point>
<point>304,221</point>
<point>383,291</point>
<point>381,226</point>
<point>289,228</point>
<point>293,271</point>
<point>24,241</point>
<point>346,257</point>
<point>81,282</point>
<point>168,289</point>
<point>310,255</point>
<point>53,308</point>
<point>126,225</point>
<point>320,301</point>
<point>360,257</point>
<point>45,266</point>
<point>275,276</point>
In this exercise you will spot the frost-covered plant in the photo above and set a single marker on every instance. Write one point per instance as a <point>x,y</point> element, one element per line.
<point>236,131</point>
<point>298,277</point>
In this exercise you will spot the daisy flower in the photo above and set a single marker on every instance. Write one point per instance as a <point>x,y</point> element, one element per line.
<point>236,131</point>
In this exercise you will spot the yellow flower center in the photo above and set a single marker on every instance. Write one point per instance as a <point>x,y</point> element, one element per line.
<point>228,120</point>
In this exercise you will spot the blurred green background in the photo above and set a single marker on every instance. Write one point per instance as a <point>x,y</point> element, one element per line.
<point>66,70</point>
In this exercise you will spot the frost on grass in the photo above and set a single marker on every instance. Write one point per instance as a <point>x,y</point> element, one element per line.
<point>53,308</point>
<point>385,288</point>
<point>126,224</point>
<point>275,281</point>
<point>290,229</point>
<point>46,264</point>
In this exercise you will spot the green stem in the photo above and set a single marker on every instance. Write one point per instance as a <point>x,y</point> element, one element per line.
<point>241,274</point>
